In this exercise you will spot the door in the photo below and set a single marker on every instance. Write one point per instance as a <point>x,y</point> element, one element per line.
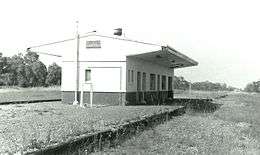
<point>170,92</point>
<point>138,81</point>
<point>158,89</point>
<point>138,86</point>
<point>143,87</point>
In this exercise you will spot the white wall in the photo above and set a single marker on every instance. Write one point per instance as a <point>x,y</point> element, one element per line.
<point>112,53</point>
<point>111,49</point>
<point>105,76</point>
<point>149,68</point>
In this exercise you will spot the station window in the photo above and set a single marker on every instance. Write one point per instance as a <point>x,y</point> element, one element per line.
<point>163,82</point>
<point>128,76</point>
<point>132,75</point>
<point>138,81</point>
<point>144,81</point>
<point>169,83</point>
<point>158,82</point>
<point>87,75</point>
<point>152,81</point>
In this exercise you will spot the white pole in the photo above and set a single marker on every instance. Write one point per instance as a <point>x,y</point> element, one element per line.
<point>77,68</point>
<point>190,87</point>
<point>81,96</point>
<point>91,94</point>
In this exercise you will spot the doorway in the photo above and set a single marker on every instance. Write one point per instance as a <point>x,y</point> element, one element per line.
<point>138,82</point>
<point>170,91</point>
<point>158,89</point>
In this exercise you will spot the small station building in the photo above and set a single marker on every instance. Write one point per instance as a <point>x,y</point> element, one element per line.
<point>117,71</point>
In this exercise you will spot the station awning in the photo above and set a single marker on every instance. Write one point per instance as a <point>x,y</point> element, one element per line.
<point>167,57</point>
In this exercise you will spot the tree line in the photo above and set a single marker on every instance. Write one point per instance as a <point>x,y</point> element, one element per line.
<point>253,87</point>
<point>181,83</point>
<point>28,71</point>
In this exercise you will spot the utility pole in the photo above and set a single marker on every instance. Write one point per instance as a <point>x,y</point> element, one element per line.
<point>190,87</point>
<point>76,94</point>
<point>77,65</point>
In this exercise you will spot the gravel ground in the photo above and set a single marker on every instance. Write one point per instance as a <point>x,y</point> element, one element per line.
<point>34,126</point>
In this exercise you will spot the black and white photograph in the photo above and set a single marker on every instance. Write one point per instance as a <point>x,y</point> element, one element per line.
<point>130,77</point>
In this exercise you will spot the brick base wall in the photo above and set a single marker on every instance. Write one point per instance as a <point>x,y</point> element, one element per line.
<point>99,98</point>
<point>121,98</point>
<point>148,98</point>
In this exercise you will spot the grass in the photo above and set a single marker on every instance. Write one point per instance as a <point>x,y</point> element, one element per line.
<point>233,129</point>
<point>24,94</point>
<point>16,88</point>
<point>242,109</point>
<point>27,127</point>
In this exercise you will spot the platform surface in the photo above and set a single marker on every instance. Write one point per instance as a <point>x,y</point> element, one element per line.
<point>38,125</point>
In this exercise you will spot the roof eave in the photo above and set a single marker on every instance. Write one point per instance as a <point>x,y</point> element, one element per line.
<point>175,52</point>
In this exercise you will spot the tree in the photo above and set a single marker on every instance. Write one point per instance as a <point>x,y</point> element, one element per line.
<point>253,87</point>
<point>40,72</point>
<point>15,68</point>
<point>6,76</point>
<point>180,83</point>
<point>22,70</point>
<point>21,76</point>
<point>7,79</point>
<point>210,86</point>
<point>3,64</point>
<point>250,87</point>
<point>30,77</point>
<point>31,57</point>
<point>35,70</point>
<point>54,75</point>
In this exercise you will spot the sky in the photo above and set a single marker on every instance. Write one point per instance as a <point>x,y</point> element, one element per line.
<point>222,35</point>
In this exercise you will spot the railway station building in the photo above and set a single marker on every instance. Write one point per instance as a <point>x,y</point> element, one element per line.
<point>113,70</point>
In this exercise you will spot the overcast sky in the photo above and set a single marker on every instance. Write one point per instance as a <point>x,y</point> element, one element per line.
<point>222,35</point>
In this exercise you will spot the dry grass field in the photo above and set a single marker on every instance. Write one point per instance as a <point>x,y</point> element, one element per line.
<point>26,94</point>
<point>25,127</point>
<point>243,109</point>
<point>233,129</point>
